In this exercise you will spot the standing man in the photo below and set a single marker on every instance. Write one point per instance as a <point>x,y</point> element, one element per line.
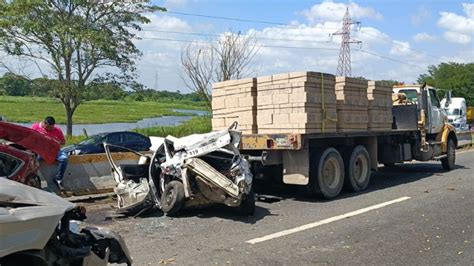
<point>49,128</point>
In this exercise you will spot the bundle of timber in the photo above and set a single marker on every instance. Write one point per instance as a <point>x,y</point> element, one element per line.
<point>235,100</point>
<point>380,106</point>
<point>297,102</point>
<point>352,104</point>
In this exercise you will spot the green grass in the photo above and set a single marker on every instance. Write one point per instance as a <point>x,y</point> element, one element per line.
<point>196,125</point>
<point>31,109</point>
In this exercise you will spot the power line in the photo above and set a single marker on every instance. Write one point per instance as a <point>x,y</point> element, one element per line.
<point>392,41</point>
<point>388,58</point>
<point>292,26</point>
<point>259,45</point>
<point>244,20</point>
<point>218,35</point>
<point>295,47</point>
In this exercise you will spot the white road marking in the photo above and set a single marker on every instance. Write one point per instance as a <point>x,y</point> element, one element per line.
<point>325,221</point>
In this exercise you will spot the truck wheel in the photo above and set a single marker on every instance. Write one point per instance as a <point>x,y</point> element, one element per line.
<point>450,160</point>
<point>326,174</point>
<point>172,198</point>
<point>247,206</point>
<point>357,165</point>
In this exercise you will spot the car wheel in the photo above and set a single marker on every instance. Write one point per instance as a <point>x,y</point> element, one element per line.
<point>172,198</point>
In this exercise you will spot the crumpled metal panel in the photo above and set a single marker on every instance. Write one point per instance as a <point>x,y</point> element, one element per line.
<point>31,221</point>
<point>131,193</point>
<point>210,175</point>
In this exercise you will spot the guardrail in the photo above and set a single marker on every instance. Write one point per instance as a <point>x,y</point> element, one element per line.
<point>86,174</point>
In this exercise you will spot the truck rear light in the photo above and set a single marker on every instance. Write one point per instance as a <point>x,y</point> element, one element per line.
<point>270,143</point>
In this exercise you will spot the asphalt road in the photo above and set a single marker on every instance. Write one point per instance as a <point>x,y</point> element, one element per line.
<point>413,214</point>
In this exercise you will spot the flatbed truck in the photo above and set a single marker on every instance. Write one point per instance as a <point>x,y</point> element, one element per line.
<point>325,163</point>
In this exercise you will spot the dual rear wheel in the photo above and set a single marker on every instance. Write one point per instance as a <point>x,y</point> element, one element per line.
<point>330,171</point>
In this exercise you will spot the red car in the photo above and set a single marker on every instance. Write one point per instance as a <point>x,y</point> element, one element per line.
<point>18,155</point>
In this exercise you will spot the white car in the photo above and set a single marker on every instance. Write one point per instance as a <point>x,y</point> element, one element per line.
<point>200,168</point>
<point>39,228</point>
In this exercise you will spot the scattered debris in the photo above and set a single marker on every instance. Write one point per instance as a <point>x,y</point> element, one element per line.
<point>268,198</point>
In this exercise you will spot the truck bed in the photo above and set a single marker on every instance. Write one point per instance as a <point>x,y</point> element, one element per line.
<point>289,141</point>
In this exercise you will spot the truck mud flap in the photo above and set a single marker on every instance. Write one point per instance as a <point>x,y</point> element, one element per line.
<point>211,176</point>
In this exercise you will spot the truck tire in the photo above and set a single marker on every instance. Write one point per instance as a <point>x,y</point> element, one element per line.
<point>357,165</point>
<point>326,174</point>
<point>172,198</point>
<point>449,162</point>
<point>247,206</point>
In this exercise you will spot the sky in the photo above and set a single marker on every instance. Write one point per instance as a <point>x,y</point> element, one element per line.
<point>399,38</point>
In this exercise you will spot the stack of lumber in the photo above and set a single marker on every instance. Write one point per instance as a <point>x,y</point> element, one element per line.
<point>297,102</point>
<point>235,100</point>
<point>352,103</point>
<point>379,95</point>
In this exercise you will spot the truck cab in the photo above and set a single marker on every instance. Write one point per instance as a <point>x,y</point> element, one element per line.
<point>434,111</point>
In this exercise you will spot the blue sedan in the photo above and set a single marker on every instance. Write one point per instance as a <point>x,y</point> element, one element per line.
<point>93,144</point>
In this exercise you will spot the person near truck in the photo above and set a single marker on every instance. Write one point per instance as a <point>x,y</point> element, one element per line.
<point>48,127</point>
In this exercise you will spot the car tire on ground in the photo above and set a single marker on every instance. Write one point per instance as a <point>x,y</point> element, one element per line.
<point>357,166</point>
<point>449,161</point>
<point>247,206</point>
<point>172,198</point>
<point>326,174</point>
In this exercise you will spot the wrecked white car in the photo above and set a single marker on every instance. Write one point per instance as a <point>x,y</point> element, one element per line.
<point>201,168</point>
<point>39,228</point>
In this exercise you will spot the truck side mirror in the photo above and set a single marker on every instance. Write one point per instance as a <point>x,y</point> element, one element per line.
<point>448,97</point>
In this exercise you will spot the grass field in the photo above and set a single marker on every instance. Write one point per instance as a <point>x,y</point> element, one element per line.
<point>31,109</point>
<point>196,125</point>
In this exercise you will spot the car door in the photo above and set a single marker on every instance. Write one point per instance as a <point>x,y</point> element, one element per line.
<point>437,115</point>
<point>135,141</point>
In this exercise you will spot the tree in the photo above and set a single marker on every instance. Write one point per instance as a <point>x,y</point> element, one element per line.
<point>452,76</point>
<point>15,85</point>
<point>227,59</point>
<point>75,39</point>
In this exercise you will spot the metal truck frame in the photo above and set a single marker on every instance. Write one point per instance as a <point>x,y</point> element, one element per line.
<point>325,163</point>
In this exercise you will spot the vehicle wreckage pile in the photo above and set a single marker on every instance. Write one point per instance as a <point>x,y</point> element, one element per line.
<point>202,168</point>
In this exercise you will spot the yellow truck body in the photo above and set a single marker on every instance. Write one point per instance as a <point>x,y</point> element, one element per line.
<point>470,115</point>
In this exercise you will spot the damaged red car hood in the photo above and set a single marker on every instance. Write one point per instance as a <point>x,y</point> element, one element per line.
<point>30,139</point>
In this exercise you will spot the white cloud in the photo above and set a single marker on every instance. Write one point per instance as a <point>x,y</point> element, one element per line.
<point>166,22</point>
<point>400,48</point>
<point>331,11</point>
<point>455,37</point>
<point>459,28</point>
<point>423,37</point>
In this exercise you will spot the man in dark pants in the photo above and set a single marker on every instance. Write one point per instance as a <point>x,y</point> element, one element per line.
<point>49,128</point>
